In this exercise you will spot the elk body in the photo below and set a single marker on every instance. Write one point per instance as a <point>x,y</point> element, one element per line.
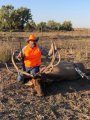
<point>65,71</point>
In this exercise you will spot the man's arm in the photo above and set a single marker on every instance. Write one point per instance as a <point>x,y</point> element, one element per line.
<point>21,53</point>
<point>45,53</point>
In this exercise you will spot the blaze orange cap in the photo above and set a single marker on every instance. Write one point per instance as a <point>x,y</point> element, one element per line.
<point>32,37</point>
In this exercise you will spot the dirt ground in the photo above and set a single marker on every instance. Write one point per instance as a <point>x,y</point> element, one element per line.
<point>66,100</point>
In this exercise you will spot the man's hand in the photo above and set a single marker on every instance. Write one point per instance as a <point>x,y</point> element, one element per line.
<point>18,58</point>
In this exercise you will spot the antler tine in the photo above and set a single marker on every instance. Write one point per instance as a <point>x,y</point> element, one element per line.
<point>18,70</point>
<point>53,54</point>
<point>8,68</point>
<point>46,69</point>
<point>50,66</point>
<point>58,55</point>
<point>50,62</point>
<point>58,59</point>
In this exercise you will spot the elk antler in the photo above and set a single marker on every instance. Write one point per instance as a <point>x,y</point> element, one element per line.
<point>57,52</point>
<point>11,72</point>
<point>49,68</point>
<point>18,70</point>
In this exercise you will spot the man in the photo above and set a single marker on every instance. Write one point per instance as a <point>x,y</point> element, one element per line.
<point>32,57</point>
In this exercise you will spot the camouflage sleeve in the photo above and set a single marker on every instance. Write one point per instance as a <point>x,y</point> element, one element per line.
<point>43,51</point>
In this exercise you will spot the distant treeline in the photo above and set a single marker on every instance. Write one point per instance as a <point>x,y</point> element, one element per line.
<point>21,20</point>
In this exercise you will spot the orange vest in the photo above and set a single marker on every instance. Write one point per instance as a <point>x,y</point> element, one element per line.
<point>32,56</point>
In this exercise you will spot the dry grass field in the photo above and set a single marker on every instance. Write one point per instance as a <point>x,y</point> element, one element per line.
<point>66,100</point>
<point>73,46</point>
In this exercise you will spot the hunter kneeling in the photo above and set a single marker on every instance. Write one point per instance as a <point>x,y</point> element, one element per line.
<point>32,60</point>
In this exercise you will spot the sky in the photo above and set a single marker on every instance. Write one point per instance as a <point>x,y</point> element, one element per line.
<point>76,11</point>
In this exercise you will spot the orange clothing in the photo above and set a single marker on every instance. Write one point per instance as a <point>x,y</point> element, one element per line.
<point>32,56</point>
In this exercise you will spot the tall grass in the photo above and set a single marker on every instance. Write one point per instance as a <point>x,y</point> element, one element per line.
<point>5,52</point>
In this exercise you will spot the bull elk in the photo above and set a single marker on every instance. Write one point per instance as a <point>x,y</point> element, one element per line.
<point>54,71</point>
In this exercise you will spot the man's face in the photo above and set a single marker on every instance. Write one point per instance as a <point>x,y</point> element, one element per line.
<point>32,44</point>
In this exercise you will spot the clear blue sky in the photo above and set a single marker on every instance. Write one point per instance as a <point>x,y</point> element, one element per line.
<point>77,11</point>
